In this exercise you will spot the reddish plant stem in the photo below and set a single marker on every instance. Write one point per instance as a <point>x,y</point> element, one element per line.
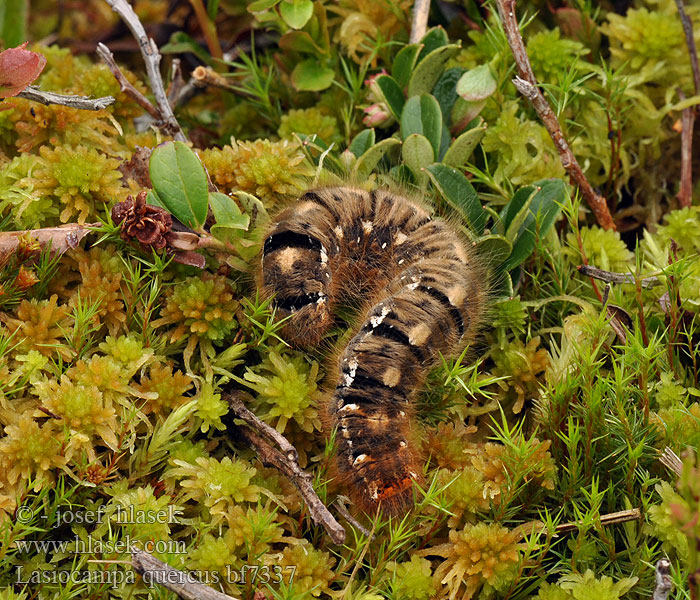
<point>208,28</point>
<point>527,86</point>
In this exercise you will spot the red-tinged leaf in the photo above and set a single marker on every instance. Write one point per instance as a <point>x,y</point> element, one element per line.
<point>18,68</point>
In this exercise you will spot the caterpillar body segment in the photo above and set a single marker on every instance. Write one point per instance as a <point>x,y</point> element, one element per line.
<point>426,296</point>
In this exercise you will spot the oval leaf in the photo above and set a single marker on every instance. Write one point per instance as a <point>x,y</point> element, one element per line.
<point>433,39</point>
<point>461,149</point>
<point>296,13</point>
<point>541,209</point>
<point>18,68</point>
<point>421,114</point>
<point>227,215</point>
<point>366,163</point>
<point>392,94</point>
<point>417,152</point>
<point>262,5</point>
<point>311,76</point>
<point>299,41</point>
<point>362,142</point>
<point>404,62</point>
<point>477,84</point>
<point>459,193</point>
<point>494,248</point>
<point>180,181</point>
<point>429,70</point>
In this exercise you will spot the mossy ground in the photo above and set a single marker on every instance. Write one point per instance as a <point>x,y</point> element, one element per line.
<point>114,362</point>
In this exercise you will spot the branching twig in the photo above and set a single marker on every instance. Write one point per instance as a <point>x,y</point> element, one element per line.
<point>340,507</point>
<point>612,277</point>
<point>527,86</point>
<point>81,102</point>
<point>183,584</point>
<point>663,582</point>
<point>419,24</point>
<point>287,464</point>
<point>125,85</point>
<point>151,58</point>
<point>610,519</point>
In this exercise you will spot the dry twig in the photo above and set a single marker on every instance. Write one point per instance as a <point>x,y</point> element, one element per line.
<point>125,85</point>
<point>183,584</point>
<point>671,461</point>
<point>610,519</point>
<point>685,192</point>
<point>419,24</point>
<point>612,277</point>
<point>81,102</point>
<point>61,239</point>
<point>527,86</point>
<point>663,582</point>
<point>208,76</point>
<point>151,58</point>
<point>287,464</point>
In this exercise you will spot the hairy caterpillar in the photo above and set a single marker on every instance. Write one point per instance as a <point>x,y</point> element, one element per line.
<point>426,295</point>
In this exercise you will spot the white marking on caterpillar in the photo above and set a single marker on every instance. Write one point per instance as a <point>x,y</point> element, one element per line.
<point>400,238</point>
<point>402,444</point>
<point>324,256</point>
<point>373,491</point>
<point>360,459</point>
<point>348,378</point>
<point>377,319</point>
<point>338,230</point>
<point>348,408</point>
<point>367,226</point>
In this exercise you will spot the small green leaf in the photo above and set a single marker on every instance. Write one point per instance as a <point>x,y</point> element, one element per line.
<point>417,152</point>
<point>445,91</point>
<point>252,206</point>
<point>392,94</point>
<point>461,149</point>
<point>541,210</point>
<point>459,193</point>
<point>493,248</point>
<point>421,114</point>
<point>227,215</point>
<point>311,76</point>
<point>299,41</point>
<point>262,5</point>
<point>404,62</point>
<point>433,39</point>
<point>366,163</point>
<point>429,70</point>
<point>362,142</point>
<point>477,84</point>
<point>13,23</point>
<point>296,13</point>
<point>180,181</point>
<point>464,112</point>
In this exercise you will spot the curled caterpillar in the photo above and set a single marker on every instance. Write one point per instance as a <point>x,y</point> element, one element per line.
<point>426,295</point>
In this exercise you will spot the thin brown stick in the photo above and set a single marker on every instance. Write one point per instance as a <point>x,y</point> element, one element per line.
<point>340,507</point>
<point>663,582</point>
<point>208,76</point>
<point>690,42</point>
<point>622,516</point>
<point>151,58</point>
<point>671,461</point>
<point>177,82</point>
<point>685,191</point>
<point>419,23</point>
<point>287,464</point>
<point>526,84</point>
<point>612,277</point>
<point>124,84</point>
<point>181,583</point>
<point>81,102</point>
<point>60,239</point>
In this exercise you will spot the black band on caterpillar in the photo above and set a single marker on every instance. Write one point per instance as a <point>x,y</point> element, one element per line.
<point>426,297</point>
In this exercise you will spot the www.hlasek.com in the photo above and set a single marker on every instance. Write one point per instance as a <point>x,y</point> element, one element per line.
<point>90,545</point>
